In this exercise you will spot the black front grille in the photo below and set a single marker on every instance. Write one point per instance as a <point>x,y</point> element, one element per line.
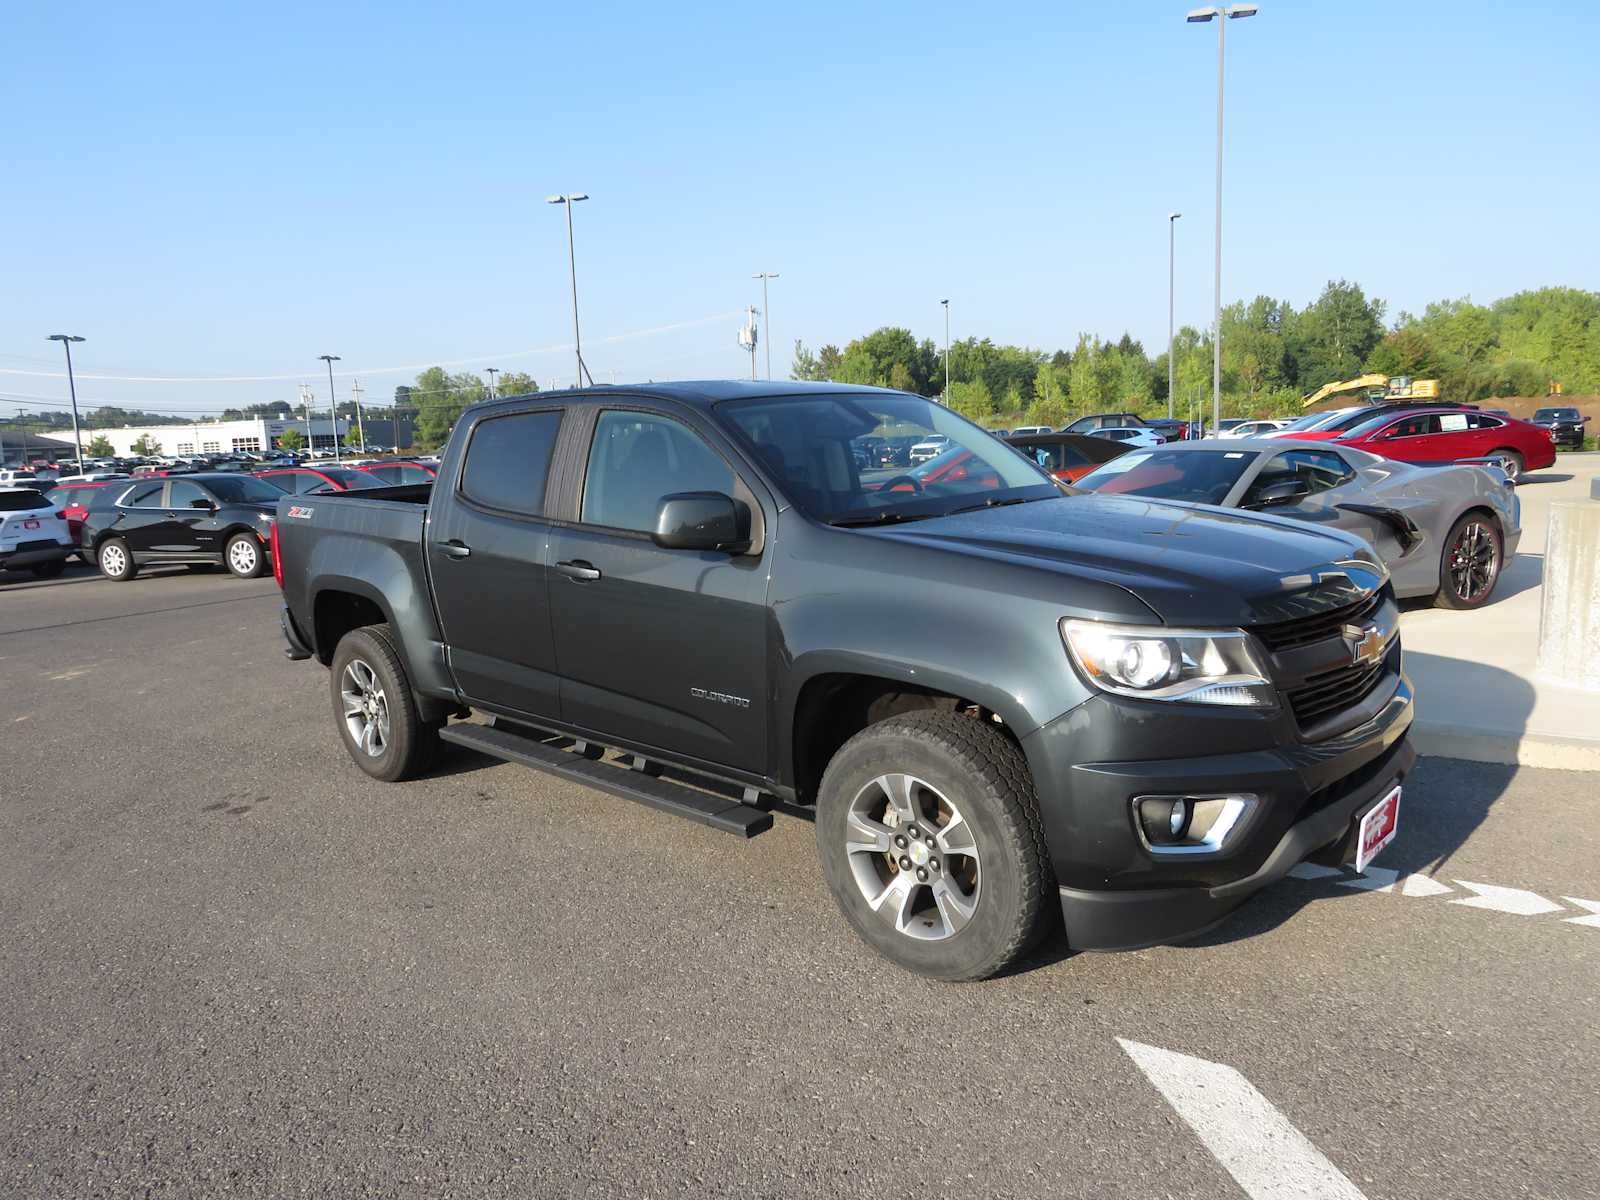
<point>1333,691</point>
<point>1303,631</point>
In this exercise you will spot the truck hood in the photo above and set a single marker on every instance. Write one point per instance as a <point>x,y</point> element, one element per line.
<point>1190,564</point>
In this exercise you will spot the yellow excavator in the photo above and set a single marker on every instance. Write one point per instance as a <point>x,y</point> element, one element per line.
<point>1380,388</point>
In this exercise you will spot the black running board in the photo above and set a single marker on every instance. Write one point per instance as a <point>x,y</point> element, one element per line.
<point>719,812</point>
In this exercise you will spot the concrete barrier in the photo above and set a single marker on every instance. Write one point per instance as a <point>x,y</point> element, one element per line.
<point>1569,618</point>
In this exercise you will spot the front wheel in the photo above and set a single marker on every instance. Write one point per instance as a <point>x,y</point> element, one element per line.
<point>375,710</point>
<point>1471,563</point>
<point>243,555</point>
<point>1511,463</point>
<point>931,843</point>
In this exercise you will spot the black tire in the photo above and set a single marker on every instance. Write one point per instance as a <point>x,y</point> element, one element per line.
<point>412,744</point>
<point>1475,562</point>
<point>49,570</point>
<point>122,567</point>
<point>244,556</point>
<point>1514,463</point>
<point>973,768</point>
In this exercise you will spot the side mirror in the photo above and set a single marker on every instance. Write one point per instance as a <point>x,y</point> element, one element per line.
<point>702,521</point>
<point>1285,491</point>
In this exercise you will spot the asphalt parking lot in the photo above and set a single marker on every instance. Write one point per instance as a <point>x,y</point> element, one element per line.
<point>231,964</point>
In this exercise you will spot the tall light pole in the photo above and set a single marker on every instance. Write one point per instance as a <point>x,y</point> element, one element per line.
<point>1172,243</point>
<point>569,199</point>
<point>1221,16</point>
<point>66,340</point>
<point>361,426</point>
<point>767,308</point>
<point>333,401</point>
<point>945,304</point>
<point>492,372</point>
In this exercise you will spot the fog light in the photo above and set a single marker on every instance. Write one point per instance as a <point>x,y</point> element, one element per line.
<point>1164,819</point>
<point>1180,825</point>
<point>1179,819</point>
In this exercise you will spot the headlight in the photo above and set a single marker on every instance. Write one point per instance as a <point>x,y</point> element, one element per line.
<point>1193,665</point>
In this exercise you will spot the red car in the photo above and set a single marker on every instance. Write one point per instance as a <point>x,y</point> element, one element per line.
<point>400,472</point>
<point>1442,435</point>
<point>73,499</point>
<point>310,481</point>
<point>1068,456</point>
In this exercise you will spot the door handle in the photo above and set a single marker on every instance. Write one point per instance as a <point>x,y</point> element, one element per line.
<point>456,548</point>
<point>579,570</point>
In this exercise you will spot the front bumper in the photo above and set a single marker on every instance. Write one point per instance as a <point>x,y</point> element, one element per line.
<point>1117,895</point>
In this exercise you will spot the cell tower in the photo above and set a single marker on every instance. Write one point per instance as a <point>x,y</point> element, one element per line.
<point>750,334</point>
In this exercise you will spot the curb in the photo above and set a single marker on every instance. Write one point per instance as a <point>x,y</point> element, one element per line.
<point>1545,750</point>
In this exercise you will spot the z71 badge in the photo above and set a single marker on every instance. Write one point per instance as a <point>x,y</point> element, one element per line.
<point>297,513</point>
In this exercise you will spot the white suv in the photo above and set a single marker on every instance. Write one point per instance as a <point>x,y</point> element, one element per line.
<point>929,448</point>
<point>33,533</point>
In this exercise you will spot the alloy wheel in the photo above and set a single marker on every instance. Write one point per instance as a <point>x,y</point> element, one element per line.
<point>366,708</point>
<point>1474,562</point>
<point>113,561</point>
<point>242,556</point>
<point>913,856</point>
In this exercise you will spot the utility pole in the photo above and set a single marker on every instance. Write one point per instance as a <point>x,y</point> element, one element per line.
<point>749,335</point>
<point>767,308</point>
<point>1172,243</point>
<point>66,340</point>
<point>492,372</point>
<point>569,199</point>
<point>333,403</point>
<point>311,438</point>
<point>361,428</point>
<point>946,397</point>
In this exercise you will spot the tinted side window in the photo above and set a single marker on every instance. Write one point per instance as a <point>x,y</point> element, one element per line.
<point>1322,470</point>
<point>507,461</point>
<point>148,496</point>
<point>184,494</point>
<point>636,459</point>
<point>306,484</point>
<point>1479,421</point>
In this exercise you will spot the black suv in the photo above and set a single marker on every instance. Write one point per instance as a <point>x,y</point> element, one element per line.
<point>207,518</point>
<point>1565,424</point>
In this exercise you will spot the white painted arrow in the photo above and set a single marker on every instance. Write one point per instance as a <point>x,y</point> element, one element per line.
<point>1507,900</point>
<point>1592,905</point>
<point>1255,1143</point>
<point>1377,879</point>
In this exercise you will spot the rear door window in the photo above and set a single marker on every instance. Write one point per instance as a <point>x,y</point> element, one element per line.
<point>146,496</point>
<point>508,461</point>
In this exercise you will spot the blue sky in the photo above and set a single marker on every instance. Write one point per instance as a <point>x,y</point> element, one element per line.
<point>233,190</point>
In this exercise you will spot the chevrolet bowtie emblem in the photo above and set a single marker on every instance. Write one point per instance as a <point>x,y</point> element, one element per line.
<point>1366,644</point>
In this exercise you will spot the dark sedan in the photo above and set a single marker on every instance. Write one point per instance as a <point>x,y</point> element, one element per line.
<point>210,518</point>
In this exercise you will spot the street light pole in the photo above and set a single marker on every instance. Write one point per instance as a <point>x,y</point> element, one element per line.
<point>1221,16</point>
<point>945,304</point>
<point>766,307</point>
<point>1172,225</point>
<point>66,340</point>
<point>492,372</point>
<point>569,199</point>
<point>333,401</point>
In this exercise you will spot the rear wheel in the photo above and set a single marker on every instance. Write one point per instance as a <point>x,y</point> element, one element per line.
<point>375,710</point>
<point>931,843</point>
<point>116,561</point>
<point>243,555</point>
<point>1471,563</point>
<point>49,570</point>
<point>1513,463</point>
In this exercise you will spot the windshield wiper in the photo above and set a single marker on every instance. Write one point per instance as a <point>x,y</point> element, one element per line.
<point>995,504</point>
<point>887,517</point>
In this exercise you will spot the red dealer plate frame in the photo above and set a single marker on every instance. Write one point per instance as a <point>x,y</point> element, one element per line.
<point>1378,826</point>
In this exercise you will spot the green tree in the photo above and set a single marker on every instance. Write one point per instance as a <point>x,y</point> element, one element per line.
<point>440,397</point>
<point>291,439</point>
<point>972,399</point>
<point>1084,385</point>
<point>100,446</point>
<point>1334,336</point>
<point>516,383</point>
<point>806,365</point>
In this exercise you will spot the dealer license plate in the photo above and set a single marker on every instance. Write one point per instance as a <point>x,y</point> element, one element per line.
<point>30,524</point>
<point>1378,827</point>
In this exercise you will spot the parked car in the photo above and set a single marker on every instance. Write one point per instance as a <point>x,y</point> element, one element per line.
<point>1171,429</point>
<point>986,689</point>
<point>928,448</point>
<point>1098,421</point>
<point>206,518</point>
<point>313,481</point>
<point>33,535</point>
<point>1451,435</point>
<point>1445,532</point>
<point>402,473</point>
<point>12,476</point>
<point>1564,423</point>
<point>1030,430</point>
<point>1130,436</point>
<point>1344,420</point>
<point>1251,429</point>
<point>1068,456</point>
<point>73,498</point>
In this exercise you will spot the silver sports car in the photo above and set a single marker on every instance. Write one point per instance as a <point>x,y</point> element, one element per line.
<point>1445,531</point>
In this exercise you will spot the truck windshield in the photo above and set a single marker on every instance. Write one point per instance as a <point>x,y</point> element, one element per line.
<point>867,458</point>
<point>1199,476</point>
<point>1556,414</point>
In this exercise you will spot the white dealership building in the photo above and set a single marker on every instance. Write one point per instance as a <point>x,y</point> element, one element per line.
<point>257,434</point>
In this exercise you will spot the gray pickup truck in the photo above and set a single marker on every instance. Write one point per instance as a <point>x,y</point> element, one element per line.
<point>1006,703</point>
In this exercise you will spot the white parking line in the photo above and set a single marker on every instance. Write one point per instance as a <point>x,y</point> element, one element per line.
<point>1255,1143</point>
<point>1506,899</point>
<point>1518,902</point>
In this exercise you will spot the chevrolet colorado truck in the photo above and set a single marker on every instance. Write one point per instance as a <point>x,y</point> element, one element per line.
<point>1012,708</point>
